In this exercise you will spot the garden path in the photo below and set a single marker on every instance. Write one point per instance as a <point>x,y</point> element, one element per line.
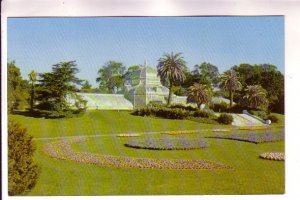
<point>245,120</point>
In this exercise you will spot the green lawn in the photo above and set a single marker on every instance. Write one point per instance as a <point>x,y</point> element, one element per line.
<point>251,175</point>
<point>103,122</point>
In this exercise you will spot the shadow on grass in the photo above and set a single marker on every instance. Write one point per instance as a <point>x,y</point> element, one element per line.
<point>203,120</point>
<point>35,114</point>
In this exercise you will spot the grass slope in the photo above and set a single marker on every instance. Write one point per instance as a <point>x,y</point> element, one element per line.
<point>103,122</point>
<point>251,175</point>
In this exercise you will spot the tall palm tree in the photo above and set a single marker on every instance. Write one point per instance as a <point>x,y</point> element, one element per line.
<point>32,78</point>
<point>199,94</point>
<point>170,68</point>
<point>256,96</point>
<point>229,81</point>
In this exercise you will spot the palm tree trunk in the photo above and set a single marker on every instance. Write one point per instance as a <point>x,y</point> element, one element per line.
<point>231,97</point>
<point>32,96</point>
<point>170,94</point>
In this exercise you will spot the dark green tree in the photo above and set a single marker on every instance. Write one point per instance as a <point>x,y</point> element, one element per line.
<point>207,74</point>
<point>32,77</point>
<point>268,77</point>
<point>22,169</point>
<point>111,77</point>
<point>57,88</point>
<point>246,73</point>
<point>132,75</point>
<point>17,89</point>
<point>273,82</point>
<point>133,68</point>
<point>170,69</point>
<point>86,86</point>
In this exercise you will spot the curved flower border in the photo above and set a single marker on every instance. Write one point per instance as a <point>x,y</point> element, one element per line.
<point>62,150</point>
<point>279,156</point>
<point>129,135</point>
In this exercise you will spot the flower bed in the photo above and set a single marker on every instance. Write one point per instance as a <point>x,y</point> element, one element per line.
<point>253,128</point>
<point>179,132</point>
<point>251,137</point>
<point>272,156</point>
<point>220,130</point>
<point>167,144</point>
<point>129,135</point>
<point>62,150</point>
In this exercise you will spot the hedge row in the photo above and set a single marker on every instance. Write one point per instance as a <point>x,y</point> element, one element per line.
<point>225,118</point>
<point>172,112</point>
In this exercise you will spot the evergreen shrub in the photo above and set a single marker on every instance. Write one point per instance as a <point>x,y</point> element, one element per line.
<point>22,169</point>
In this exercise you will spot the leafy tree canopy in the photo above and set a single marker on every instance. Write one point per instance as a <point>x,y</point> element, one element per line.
<point>132,75</point>
<point>266,75</point>
<point>32,77</point>
<point>17,88</point>
<point>111,77</point>
<point>207,74</point>
<point>86,86</point>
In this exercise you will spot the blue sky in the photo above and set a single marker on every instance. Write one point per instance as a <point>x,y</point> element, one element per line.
<point>38,43</point>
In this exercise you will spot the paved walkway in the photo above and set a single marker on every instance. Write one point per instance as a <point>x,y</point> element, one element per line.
<point>245,120</point>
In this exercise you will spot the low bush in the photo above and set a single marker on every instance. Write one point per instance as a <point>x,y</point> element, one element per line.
<point>273,118</point>
<point>164,112</point>
<point>146,111</point>
<point>219,107</point>
<point>189,108</point>
<point>204,113</point>
<point>225,118</point>
<point>172,112</point>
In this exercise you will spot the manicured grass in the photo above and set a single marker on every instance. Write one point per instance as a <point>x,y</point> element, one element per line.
<point>103,122</point>
<point>250,174</point>
<point>280,117</point>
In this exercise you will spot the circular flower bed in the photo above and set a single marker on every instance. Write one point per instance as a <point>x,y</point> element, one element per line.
<point>279,156</point>
<point>253,137</point>
<point>62,150</point>
<point>167,144</point>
